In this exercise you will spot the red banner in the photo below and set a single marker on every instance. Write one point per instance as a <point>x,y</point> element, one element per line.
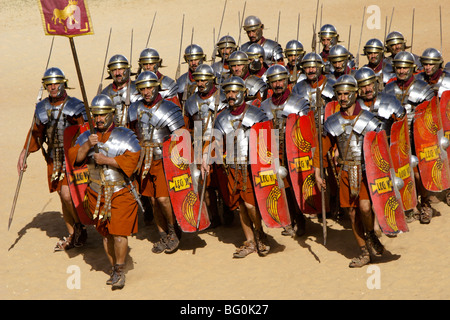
<point>67,18</point>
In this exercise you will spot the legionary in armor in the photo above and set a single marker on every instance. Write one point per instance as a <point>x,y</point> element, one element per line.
<point>257,66</point>
<point>201,109</point>
<point>225,47</point>
<point>149,60</point>
<point>235,123</point>
<point>345,130</point>
<point>122,91</point>
<point>433,72</point>
<point>273,53</point>
<point>396,43</point>
<point>52,116</point>
<point>256,87</point>
<point>374,51</point>
<point>193,56</point>
<point>277,108</point>
<point>154,119</point>
<point>313,68</point>
<point>385,106</point>
<point>411,92</point>
<point>328,37</point>
<point>339,58</point>
<point>109,199</point>
<point>294,53</point>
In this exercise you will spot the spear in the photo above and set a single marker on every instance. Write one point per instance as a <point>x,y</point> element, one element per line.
<point>440,25</point>
<point>100,86</point>
<point>22,170</point>
<point>412,29</point>
<point>360,38</point>
<point>213,57</point>
<point>241,23</point>
<point>177,74</point>
<point>151,28</point>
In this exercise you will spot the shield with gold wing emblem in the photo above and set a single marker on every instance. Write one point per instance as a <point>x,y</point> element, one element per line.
<point>301,141</point>
<point>445,116</point>
<point>267,183</point>
<point>383,184</point>
<point>400,149</point>
<point>184,197</point>
<point>431,147</point>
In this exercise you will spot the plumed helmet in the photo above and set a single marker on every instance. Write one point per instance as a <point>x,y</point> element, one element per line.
<point>102,104</point>
<point>276,72</point>
<point>194,52</point>
<point>252,23</point>
<point>373,45</point>
<point>53,75</point>
<point>118,61</point>
<point>234,83</point>
<point>312,59</point>
<point>338,53</point>
<point>149,55</point>
<point>147,79</point>
<point>404,59</point>
<point>431,56</point>
<point>226,42</point>
<point>294,47</point>
<point>238,58</point>
<point>365,76</point>
<point>255,51</point>
<point>346,82</point>
<point>204,72</point>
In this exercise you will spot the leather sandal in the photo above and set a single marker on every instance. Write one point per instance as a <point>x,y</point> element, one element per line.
<point>373,244</point>
<point>245,250</point>
<point>361,260</point>
<point>426,212</point>
<point>64,244</point>
<point>261,243</point>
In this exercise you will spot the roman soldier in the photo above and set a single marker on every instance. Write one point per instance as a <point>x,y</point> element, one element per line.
<point>339,58</point>
<point>193,56</point>
<point>235,123</point>
<point>225,46</point>
<point>374,51</point>
<point>395,43</point>
<point>433,71</point>
<point>52,116</point>
<point>294,53</point>
<point>273,53</point>
<point>154,119</point>
<point>345,130</point>
<point>277,108</point>
<point>256,87</point>
<point>122,91</point>
<point>411,92</point>
<point>110,200</point>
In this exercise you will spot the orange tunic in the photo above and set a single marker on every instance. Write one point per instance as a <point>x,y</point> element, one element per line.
<point>344,184</point>
<point>124,208</point>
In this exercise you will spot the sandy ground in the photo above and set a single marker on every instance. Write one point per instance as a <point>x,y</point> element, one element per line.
<point>415,265</point>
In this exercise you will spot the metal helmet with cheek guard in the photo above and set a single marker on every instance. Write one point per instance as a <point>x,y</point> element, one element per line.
<point>339,53</point>
<point>194,52</point>
<point>102,104</point>
<point>205,72</point>
<point>224,43</point>
<point>239,58</point>
<point>432,56</point>
<point>364,77</point>
<point>55,75</point>
<point>395,37</point>
<point>404,59</point>
<point>253,23</point>
<point>119,61</point>
<point>374,46</point>
<point>277,72</point>
<point>346,83</point>
<point>150,56</point>
<point>329,31</point>
<point>312,59</point>
<point>235,83</point>
<point>148,79</point>
<point>254,52</point>
<point>295,47</point>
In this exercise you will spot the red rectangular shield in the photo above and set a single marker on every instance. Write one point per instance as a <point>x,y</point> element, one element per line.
<point>67,18</point>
